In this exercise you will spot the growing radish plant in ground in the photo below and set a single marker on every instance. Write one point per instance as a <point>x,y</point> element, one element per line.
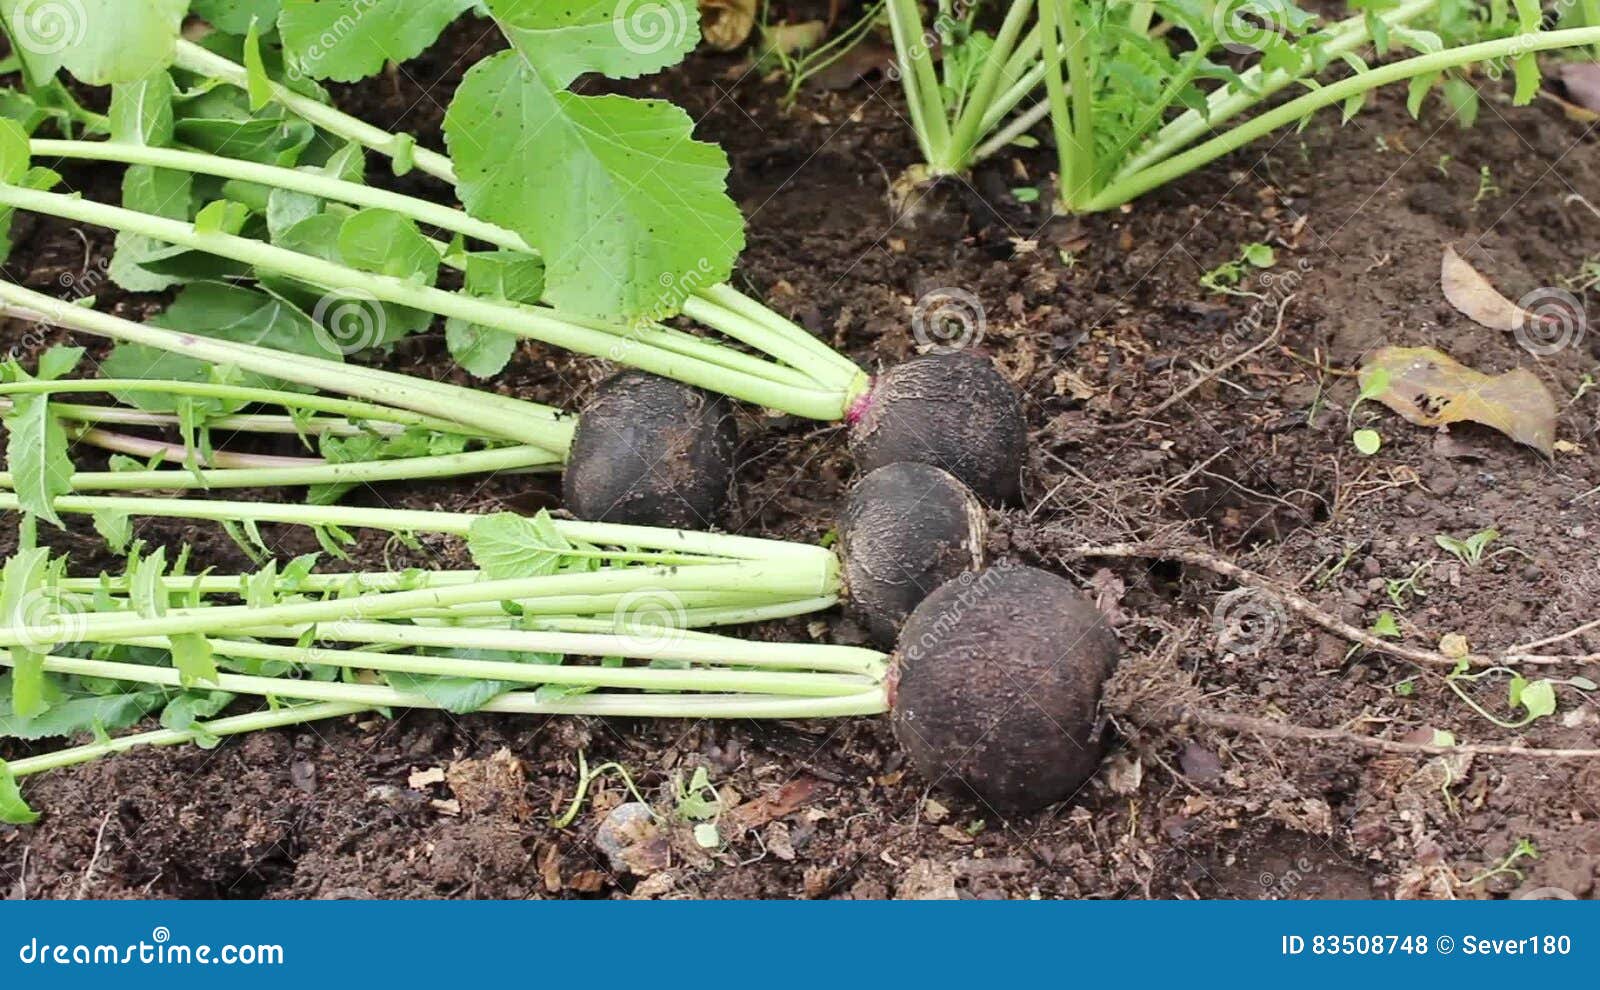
<point>1140,94</point>
<point>275,187</point>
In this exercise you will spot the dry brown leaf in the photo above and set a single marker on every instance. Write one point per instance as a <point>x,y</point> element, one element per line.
<point>1431,388</point>
<point>725,24</point>
<point>1582,82</point>
<point>1477,300</point>
<point>423,779</point>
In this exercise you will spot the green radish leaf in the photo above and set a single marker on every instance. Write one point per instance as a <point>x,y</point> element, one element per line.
<point>74,716</point>
<point>567,40</point>
<point>482,351</point>
<point>193,657</point>
<point>141,111</point>
<point>506,545</point>
<point>190,707</point>
<point>265,140</point>
<point>1539,698</point>
<point>349,40</point>
<point>1367,442</point>
<point>116,528</point>
<point>257,85</point>
<point>1462,99</point>
<point>23,604</point>
<point>221,216</point>
<point>387,243</point>
<point>58,362</point>
<point>13,809</point>
<point>502,275</point>
<point>99,41</point>
<point>628,211</point>
<point>465,695</point>
<point>16,154</point>
<point>225,312</point>
<point>235,16</point>
<point>36,453</point>
<point>508,275</point>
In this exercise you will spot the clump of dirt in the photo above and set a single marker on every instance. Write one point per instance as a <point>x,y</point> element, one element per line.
<point>1098,320</point>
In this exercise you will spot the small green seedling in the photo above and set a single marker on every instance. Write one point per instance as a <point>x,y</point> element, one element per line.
<point>1402,591</point>
<point>1366,442</point>
<point>1537,699</point>
<point>700,803</point>
<point>1486,186</point>
<point>1524,850</point>
<point>1386,627</point>
<point>1225,278</point>
<point>1025,194</point>
<point>1472,551</point>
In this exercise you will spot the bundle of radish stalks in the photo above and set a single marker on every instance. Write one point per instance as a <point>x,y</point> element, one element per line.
<point>981,696</point>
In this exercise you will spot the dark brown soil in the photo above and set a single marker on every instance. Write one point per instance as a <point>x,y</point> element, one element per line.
<point>1095,320</point>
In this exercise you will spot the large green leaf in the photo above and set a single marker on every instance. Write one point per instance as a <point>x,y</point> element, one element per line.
<point>348,40</point>
<point>630,213</point>
<point>99,41</point>
<point>226,312</point>
<point>36,455</point>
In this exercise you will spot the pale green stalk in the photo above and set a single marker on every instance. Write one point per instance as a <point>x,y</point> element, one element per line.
<point>872,701</point>
<point>968,123</point>
<point>352,473</point>
<point>792,678</point>
<point>494,415</point>
<point>536,322</point>
<point>235,725</point>
<point>449,523</point>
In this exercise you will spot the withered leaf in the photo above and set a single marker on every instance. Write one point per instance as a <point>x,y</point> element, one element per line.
<point>1471,293</point>
<point>725,24</point>
<point>1582,83</point>
<point>1431,388</point>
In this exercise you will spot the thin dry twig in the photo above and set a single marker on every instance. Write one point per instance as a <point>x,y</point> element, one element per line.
<point>1213,373</point>
<point>1301,733</point>
<point>1308,610</point>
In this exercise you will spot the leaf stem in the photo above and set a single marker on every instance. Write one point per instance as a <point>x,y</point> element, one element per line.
<point>537,322</point>
<point>235,725</point>
<point>494,415</point>
<point>314,473</point>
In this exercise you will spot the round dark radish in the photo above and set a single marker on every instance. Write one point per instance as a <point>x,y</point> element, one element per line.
<point>906,530</point>
<point>651,452</point>
<point>950,409</point>
<point>999,680</point>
